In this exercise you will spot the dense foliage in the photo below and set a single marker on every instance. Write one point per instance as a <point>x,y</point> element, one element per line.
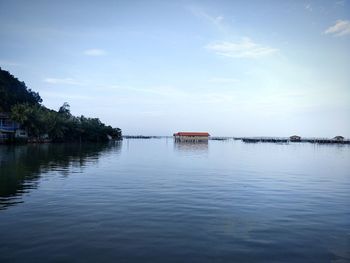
<point>13,91</point>
<point>61,125</point>
<point>43,123</point>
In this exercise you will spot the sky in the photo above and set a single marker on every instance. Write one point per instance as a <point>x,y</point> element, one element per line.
<point>231,68</point>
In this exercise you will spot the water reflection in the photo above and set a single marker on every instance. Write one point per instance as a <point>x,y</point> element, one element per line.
<point>191,147</point>
<point>22,166</point>
<point>159,202</point>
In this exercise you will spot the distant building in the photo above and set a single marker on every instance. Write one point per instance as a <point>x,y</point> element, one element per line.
<point>10,129</point>
<point>295,138</point>
<point>338,138</point>
<point>191,136</point>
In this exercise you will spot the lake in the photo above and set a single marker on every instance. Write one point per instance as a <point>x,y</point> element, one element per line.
<point>159,201</point>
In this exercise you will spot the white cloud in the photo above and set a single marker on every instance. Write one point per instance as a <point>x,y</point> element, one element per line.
<point>245,48</point>
<point>95,52</point>
<point>66,81</point>
<point>340,28</point>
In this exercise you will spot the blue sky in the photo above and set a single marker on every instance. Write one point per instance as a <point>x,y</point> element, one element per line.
<point>234,68</point>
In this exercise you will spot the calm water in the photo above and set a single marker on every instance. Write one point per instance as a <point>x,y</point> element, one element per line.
<point>156,201</point>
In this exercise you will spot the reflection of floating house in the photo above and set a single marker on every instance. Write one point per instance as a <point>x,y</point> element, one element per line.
<point>295,138</point>
<point>10,129</point>
<point>338,138</point>
<point>191,147</point>
<point>191,136</point>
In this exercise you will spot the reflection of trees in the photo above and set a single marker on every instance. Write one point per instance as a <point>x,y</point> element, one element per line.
<point>21,166</point>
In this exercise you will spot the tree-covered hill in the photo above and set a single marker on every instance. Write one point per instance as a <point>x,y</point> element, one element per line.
<point>13,91</point>
<point>24,107</point>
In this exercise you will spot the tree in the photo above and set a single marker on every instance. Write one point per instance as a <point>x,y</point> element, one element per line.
<point>65,110</point>
<point>31,117</point>
<point>13,91</point>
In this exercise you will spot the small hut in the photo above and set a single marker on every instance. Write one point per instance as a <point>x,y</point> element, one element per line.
<point>191,136</point>
<point>295,138</point>
<point>338,138</point>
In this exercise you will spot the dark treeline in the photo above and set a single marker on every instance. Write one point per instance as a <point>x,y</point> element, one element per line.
<point>24,107</point>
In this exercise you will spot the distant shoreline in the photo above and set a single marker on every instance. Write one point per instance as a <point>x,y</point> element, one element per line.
<point>256,139</point>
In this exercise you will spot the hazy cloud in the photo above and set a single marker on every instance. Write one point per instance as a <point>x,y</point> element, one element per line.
<point>245,48</point>
<point>223,80</point>
<point>95,52</point>
<point>216,21</point>
<point>340,3</point>
<point>66,81</point>
<point>8,63</point>
<point>64,96</point>
<point>340,28</point>
<point>308,7</point>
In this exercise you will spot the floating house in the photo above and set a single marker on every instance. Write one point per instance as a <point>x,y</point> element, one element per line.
<point>295,138</point>
<point>338,138</point>
<point>10,129</point>
<point>191,136</point>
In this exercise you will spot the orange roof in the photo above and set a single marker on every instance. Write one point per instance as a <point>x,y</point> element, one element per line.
<point>199,134</point>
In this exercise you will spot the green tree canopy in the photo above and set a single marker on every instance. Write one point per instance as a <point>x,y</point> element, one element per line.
<point>61,125</point>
